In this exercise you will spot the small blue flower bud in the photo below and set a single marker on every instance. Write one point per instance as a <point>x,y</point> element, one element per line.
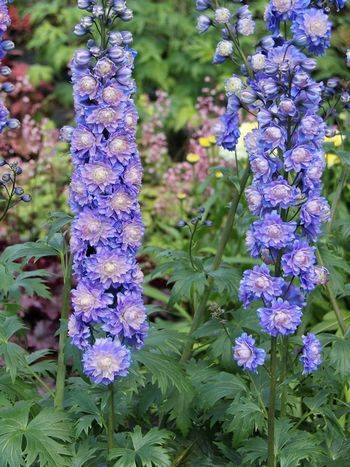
<point>309,64</point>
<point>181,224</point>
<point>97,11</point>
<point>6,177</point>
<point>345,97</point>
<point>26,198</point>
<point>203,23</point>
<point>127,37</point>
<point>208,223</point>
<point>13,123</point>
<point>202,5</point>
<point>18,170</point>
<point>82,57</point>
<point>66,133</point>
<point>8,45</point>
<point>248,96</point>
<point>79,30</point>
<point>95,51</point>
<point>119,6</point>
<point>267,42</point>
<point>115,38</point>
<point>201,210</point>
<point>330,132</point>
<point>127,15</point>
<point>2,162</point>
<point>84,4</point>
<point>332,83</point>
<point>19,190</point>
<point>116,53</point>
<point>86,22</point>
<point>7,87</point>
<point>5,71</point>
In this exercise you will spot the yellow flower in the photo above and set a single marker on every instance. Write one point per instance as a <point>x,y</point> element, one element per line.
<point>207,141</point>
<point>192,158</point>
<point>332,159</point>
<point>219,174</point>
<point>181,196</point>
<point>336,140</point>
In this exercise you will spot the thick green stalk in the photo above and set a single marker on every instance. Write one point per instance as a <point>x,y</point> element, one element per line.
<point>110,426</point>
<point>61,363</point>
<point>199,315</point>
<point>271,458</point>
<point>333,301</point>
<point>284,375</point>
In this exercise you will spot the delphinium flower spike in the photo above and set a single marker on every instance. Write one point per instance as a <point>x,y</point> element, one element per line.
<point>287,160</point>
<point>109,317</point>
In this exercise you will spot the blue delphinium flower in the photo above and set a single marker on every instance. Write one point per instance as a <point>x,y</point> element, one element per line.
<point>257,283</point>
<point>247,354</point>
<point>280,318</point>
<point>106,360</point>
<point>311,356</point>
<point>312,29</point>
<point>106,180</point>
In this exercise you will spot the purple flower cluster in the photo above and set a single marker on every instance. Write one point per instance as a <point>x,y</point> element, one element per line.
<point>285,153</point>
<point>231,25</point>
<point>109,315</point>
<point>5,46</point>
<point>287,160</point>
<point>247,354</point>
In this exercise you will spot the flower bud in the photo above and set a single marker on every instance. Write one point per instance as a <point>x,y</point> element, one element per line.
<point>203,23</point>
<point>13,123</point>
<point>7,87</point>
<point>26,198</point>
<point>248,96</point>
<point>127,15</point>
<point>8,45</point>
<point>5,71</point>
<point>82,57</point>
<point>115,38</point>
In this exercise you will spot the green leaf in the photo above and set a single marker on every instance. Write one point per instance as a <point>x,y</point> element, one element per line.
<point>340,355</point>
<point>145,450</point>
<point>221,386</point>
<point>165,372</point>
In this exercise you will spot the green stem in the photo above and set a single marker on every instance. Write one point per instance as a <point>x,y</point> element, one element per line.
<point>333,301</point>
<point>61,364</point>
<point>111,425</point>
<point>271,458</point>
<point>340,186</point>
<point>199,315</point>
<point>284,375</point>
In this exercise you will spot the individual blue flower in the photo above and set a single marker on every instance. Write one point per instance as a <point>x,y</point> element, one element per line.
<point>311,356</point>
<point>202,5</point>
<point>247,354</point>
<point>282,10</point>
<point>90,302</point>
<point>106,360</point>
<point>278,193</point>
<point>229,130</point>
<point>223,51</point>
<point>299,259</point>
<point>257,283</point>
<point>312,29</point>
<point>254,198</point>
<point>203,23</point>
<point>313,213</point>
<point>280,318</point>
<point>273,232</point>
<point>128,320</point>
<point>79,332</point>
<point>298,158</point>
<point>110,267</point>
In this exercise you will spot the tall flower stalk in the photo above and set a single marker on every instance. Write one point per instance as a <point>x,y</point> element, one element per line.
<point>287,160</point>
<point>109,317</point>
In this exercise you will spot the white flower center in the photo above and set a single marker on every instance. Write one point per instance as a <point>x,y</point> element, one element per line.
<point>316,27</point>
<point>132,233</point>
<point>280,191</point>
<point>273,231</point>
<point>225,48</point>
<point>282,6</point>
<point>301,258</point>
<point>273,133</point>
<point>243,353</point>
<point>313,207</point>
<point>258,62</point>
<point>281,318</point>
<point>110,94</point>
<point>120,201</point>
<point>100,174</point>
<point>301,155</point>
<point>262,282</point>
<point>117,145</point>
<point>133,315</point>
<point>87,83</point>
<point>106,115</point>
<point>110,267</point>
<point>222,15</point>
<point>104,67</point>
